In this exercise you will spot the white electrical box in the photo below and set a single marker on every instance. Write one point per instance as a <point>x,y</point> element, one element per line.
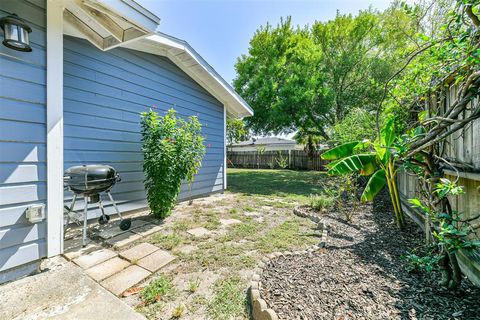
<point>35,213</point>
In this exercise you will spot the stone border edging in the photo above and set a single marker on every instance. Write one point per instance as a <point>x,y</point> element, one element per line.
<point>259,308</point>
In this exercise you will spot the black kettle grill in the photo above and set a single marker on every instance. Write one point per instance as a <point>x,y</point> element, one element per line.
<point>90,181</point>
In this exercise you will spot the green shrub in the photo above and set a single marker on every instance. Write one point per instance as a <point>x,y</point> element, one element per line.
<point>320,201</point>
<point>172,151</point>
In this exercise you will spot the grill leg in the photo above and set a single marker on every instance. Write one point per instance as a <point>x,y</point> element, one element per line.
<point>70,209</point>
<point>85,211</point>
<point>101,207</point>
<point>114,205</point>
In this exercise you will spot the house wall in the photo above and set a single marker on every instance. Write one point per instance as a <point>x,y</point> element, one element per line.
<point>22,143</point>
<point>104,94</point>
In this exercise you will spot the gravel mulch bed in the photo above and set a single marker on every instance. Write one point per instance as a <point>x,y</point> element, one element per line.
<point>361,276</point>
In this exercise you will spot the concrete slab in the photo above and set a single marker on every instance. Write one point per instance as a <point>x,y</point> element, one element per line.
<point>62,292</point>
<point>106,269</point>
<point>156,260</point>
<point>94,258</point>
<point>113,229</point>
<point>123,240</point>
<point>139,251</point>
<point>228,222</point>
<point>125,279</point>
<point>199,232</point>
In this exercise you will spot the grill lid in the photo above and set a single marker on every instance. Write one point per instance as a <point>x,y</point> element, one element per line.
<point>90,179</point>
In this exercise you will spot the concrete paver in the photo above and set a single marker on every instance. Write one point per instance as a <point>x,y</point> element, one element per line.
<point>107,268</point>
<point>93,258</point>
<point>156,260</point>
<point>125,279</point>
<point>139,251</point>
<point>199,232</point>
<point>123,240</point>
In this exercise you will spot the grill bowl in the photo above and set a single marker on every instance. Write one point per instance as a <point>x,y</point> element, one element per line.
<point>90,179</point>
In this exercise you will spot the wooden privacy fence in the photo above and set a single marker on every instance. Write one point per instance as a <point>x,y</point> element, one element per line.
<point>284,159</point>
<point>462,149</point>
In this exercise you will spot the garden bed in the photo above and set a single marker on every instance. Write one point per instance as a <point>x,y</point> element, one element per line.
<point>361,275</point>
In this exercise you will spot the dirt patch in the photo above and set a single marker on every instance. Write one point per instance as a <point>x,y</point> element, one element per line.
<point>361,276</point>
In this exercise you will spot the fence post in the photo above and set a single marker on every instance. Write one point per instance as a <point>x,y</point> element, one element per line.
<point>289,159</point>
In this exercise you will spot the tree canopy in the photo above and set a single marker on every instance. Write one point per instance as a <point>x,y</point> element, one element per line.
<point>310,78</point>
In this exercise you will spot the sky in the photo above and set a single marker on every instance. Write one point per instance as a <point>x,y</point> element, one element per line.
<point>220,30</point>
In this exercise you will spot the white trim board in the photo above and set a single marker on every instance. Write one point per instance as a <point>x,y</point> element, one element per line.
<point>54,211</point>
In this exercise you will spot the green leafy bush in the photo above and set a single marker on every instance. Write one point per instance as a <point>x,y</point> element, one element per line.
<point>172,151</point>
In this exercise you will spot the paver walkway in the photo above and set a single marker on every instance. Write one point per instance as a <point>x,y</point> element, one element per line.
<point>119,268</point>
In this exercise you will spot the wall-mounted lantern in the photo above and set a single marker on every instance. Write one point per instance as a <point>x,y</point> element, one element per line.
<point>16,33</point>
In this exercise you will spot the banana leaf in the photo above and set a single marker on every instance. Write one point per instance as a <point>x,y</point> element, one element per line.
<point>341,151</point>
<point>375,184</point>
<point>352,163</point>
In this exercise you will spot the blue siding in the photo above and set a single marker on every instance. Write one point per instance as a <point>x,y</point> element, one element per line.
<point>104,94</point>
<point>22,140</point>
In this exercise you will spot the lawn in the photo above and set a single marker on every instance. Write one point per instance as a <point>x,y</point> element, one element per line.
<point>281,184</point>
<point>254,217</point>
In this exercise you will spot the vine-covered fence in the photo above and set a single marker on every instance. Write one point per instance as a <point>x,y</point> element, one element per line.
<point>462,151</point>
<point>284,159</point>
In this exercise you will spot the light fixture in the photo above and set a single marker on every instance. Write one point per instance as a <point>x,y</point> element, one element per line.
<point>16,33</point>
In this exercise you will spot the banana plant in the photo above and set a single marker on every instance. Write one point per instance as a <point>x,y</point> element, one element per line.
<point>374,159</point>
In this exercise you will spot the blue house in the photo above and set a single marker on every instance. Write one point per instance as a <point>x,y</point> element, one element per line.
<point>75,98</point>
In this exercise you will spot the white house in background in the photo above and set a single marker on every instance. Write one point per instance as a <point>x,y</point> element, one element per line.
<point>269,143</point>
<point>75,98</point>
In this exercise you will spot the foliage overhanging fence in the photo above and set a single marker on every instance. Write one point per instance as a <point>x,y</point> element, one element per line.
<point>462,149</point>
<point>289,159</point>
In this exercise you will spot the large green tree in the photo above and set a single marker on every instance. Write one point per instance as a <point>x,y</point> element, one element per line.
<point>310,78</point>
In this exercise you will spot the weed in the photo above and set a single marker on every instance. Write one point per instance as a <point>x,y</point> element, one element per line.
<point>193,285</point>
<point>228,301</point>
<point>177,311</point>
<point>183,225</point>
<point>157,290</point>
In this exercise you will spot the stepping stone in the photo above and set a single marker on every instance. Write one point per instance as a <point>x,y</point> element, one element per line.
<point>147,230</point>
<point>106,269</point>
<point>139,251</point>
<point>228,222</point>
<point>200,232</point>
<point>94,258</point>
<point>252,213</point>
<point>125,279</point>
<point>113,229</point>
<point>156,260</point>
<point>123,240</point>
<point>187,249</point>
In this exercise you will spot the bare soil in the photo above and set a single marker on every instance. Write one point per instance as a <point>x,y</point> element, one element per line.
<point>360,275</point>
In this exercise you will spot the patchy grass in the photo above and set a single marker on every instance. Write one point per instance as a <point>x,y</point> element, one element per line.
<point>160,289</point>
<point>216,255</point>
<point>212,272</point>
<point>229,299</point>
<point>167,241</point>
<point>290,235</point>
